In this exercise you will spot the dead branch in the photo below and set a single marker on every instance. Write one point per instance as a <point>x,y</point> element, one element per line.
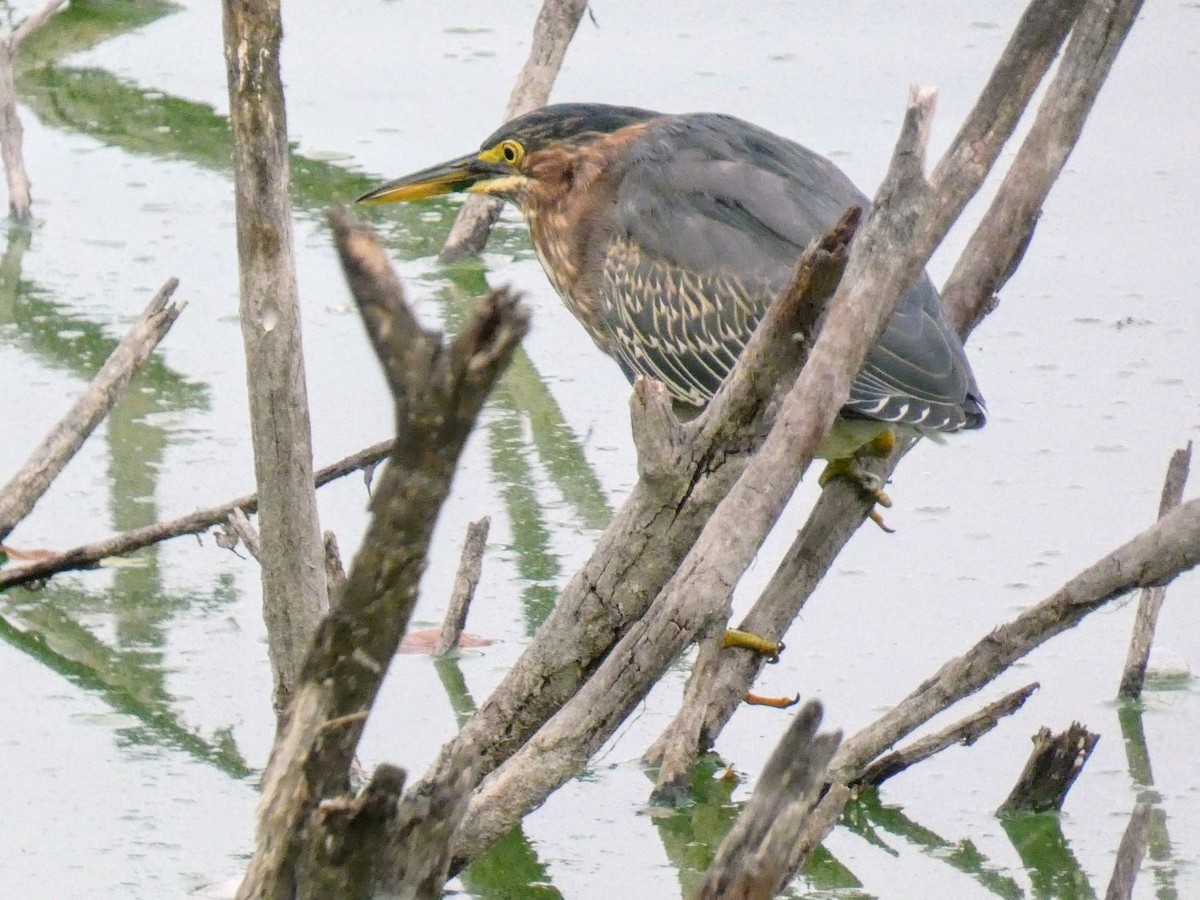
<point>34,478</point>
<point>991,258</point>
<point>966,732</point>
<point>33,22</point>
<point>1052,767</point>
<point>292,558</point>
<point>1150,600</point>
<point>438,391</point>
<point>11,132</point>
<point>552,33</point>
<point>87,556</point>
<point>465,581</point>
<point>752,860</point>
<point>1130,854</point>
<point>1155,556</point>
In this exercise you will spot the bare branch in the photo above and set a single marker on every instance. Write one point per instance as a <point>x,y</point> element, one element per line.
<point>335,573</point>
<point>294,594</point>
<point>1151,599</point>
<point>34,478</point>
<point>33,22</point>
<point>996,247</point>
<point>87,556</point>
<point>966,732</point>
<point>11,132</point>
<point>246,532</point>
<point>419,838</point>
<point>1155,556</point>
<point>465,581</point>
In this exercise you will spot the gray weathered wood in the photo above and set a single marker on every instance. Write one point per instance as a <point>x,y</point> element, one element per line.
<point>438,391</point>
<point>33,479</point>
<point>243,530</point>
<point>470,565</point>
<point>11,132</point>
<point>1150,601</point>
<point>996,246</point>
<point>293,571</point>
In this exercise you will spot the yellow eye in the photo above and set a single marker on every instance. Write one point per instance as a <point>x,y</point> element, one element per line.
<point>512,152</point>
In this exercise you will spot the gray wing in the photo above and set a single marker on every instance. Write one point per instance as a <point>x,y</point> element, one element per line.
<point>713,213</point>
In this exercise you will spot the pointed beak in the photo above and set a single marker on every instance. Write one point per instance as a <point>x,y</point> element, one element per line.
<point>445,178</point>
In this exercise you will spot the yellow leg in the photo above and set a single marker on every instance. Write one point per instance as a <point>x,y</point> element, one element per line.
<point>760,645</point>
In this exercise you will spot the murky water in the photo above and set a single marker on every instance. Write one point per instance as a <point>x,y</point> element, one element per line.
<point>136,698</point>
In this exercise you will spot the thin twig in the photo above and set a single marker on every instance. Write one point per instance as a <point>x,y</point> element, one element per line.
<point>34,478</point>
<point>465,581</point>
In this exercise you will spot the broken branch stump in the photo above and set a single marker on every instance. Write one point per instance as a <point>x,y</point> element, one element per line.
<point>1053,766</point>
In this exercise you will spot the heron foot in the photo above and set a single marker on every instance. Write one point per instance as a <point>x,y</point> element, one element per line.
<point>760,645</point>
<point>868,482</point>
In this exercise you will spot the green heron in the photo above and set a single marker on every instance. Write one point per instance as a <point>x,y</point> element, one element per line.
<point>668,236</point>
